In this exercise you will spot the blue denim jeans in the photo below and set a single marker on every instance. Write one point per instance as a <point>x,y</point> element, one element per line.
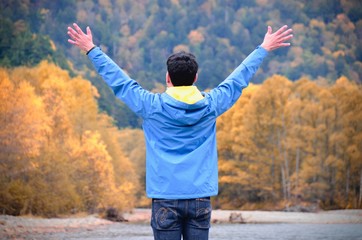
<point>189,218</point>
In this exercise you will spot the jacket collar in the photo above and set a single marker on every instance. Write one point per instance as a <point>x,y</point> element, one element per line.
<point>186,94</point>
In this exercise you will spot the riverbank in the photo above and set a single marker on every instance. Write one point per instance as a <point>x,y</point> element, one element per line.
<point>234,216</point>
<point>325,217</point>
<point>22,227</point>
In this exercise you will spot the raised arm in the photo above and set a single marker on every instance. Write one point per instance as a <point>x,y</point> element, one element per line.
<point>227,92</point>
<point>126,89</point>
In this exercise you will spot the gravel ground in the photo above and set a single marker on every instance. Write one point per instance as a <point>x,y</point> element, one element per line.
<point>31,227</point>
<point>24,227</point>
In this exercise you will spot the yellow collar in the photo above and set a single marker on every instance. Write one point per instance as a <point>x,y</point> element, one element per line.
<point>186,94</point>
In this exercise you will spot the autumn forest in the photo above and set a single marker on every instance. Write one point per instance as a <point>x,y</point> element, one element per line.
<point>293,139</point>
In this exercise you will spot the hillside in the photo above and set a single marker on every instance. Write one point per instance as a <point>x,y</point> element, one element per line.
<point>139,35</point>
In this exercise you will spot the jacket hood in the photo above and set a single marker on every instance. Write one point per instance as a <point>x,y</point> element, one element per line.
<point>186,94</point>
<point>184,113</point>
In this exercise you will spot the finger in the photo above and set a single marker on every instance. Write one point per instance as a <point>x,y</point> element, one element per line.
<point>283,39</point>
<point>77,28</point>
<point>269,30</point>
<point>286,32</point>
<point>71,34</point>
<point>280,30</point>
<point>286,38</point>
<point>284,44</point>
<point>280,45</point>
<point>70,29</point>
<point>72,42</point>
<point>89,32</point>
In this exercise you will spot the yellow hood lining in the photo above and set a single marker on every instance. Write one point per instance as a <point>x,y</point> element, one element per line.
<point>186,94</point>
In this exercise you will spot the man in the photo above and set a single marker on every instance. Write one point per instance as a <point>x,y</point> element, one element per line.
<point>180,131</point>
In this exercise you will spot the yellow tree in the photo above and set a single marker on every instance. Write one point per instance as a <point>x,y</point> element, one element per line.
<point>267,129</point>
<point>55,192</point>
<point>235,188</point>
<point>72,105</point>
<point>294,138</point>
<point>23,127</point>
<point>51,189</point>
<point>23,120</point>
<point>347,142</point>
<point>94,173</point>
<point>313,118</point>
<point>125,165</point>
<point>51,131</point>
<point>132,144</point>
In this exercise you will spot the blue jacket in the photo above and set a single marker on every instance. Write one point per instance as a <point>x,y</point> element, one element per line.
<point>181,151</point>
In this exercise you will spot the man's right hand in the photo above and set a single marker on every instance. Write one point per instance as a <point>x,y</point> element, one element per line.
<point>278,39</point>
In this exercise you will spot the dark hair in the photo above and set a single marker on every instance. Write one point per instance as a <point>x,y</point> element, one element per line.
<point>182,68</point>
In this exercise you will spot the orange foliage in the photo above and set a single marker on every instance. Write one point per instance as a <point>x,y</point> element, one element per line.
<point>195,37</point>
<point>57,150</point>
<point>289,142</point>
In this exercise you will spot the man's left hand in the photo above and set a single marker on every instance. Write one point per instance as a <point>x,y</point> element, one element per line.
<point>80,39</point>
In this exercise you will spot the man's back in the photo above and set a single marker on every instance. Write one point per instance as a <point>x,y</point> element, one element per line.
<point>181,150</point>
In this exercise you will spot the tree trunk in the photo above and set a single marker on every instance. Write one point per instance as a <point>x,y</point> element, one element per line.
<point>360,191</point>
<point>283,182</point>
<point>297,160</point>
<point>287,178</point>
<point>347,185</point>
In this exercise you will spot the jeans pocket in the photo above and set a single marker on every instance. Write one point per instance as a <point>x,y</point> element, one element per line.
<point>203,212</point>
<point>164,215</point>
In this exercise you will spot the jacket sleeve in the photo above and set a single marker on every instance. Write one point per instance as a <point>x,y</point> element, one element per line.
<point>126,89</point>
<point>228,92</point>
